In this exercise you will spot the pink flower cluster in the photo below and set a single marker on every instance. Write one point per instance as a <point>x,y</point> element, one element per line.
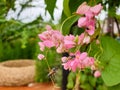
<point>77,60</point>
<point>53,38</point>
<point>88,21</point>
<point>50,38</point>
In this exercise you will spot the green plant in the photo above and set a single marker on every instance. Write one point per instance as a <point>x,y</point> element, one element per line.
<point>106,55</point>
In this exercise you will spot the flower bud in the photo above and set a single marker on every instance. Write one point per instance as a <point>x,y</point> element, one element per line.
<point>97,74</point>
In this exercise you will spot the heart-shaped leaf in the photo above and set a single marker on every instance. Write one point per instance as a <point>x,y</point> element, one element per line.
<point>111,60</point>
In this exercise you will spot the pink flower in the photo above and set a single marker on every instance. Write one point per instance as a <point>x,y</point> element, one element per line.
<point>40,56</point>
<point>86,40</point>
<point>57,38</point>
<point>48,43</point>
<point>69,41</point>
<point>88,21</point>
<point>50,38</point>
<point>80,61</point>
<point>82,22</point>
<point>90,30</point>
<point>97,41</point>
<point>93,67</point>
<point>60,49</point>
<point>88,62</point>
<point>89,11</point>
<point>43,36</point>
<point>42,46</point>
<point>83,8</point>
<point>96,9</point>
<point>97,74</point>
<point>89,14</point>
<point>74,65</point>
<point>82,55</point>
<point>64,59</point>
<point>80,38</point>
<point>48,27</point>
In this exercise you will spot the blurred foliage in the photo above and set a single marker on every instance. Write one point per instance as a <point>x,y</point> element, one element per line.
<point>42,67</point>
<point>18,40</point>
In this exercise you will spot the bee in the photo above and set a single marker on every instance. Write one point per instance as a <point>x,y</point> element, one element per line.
<point>65,54</point>
<point>68,56</point>
<point>52,71</point>
<point>71,57</point>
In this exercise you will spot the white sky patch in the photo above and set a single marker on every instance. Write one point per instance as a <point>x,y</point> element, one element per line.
<point>118,11</point>
<point>31,13</point>
<point>58,11</point>
<point>102,16</point>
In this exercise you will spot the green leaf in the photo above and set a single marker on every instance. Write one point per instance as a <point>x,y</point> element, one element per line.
<point>111,61</point>
<point>86,86</point>
<point>74,4</point>
<point>67,24</point>
<point>116,87</point>
<point>71,79</point>
<point>2,20</point>
<point>92,81</point>
<point>66,8</point>
<point>50,6</point>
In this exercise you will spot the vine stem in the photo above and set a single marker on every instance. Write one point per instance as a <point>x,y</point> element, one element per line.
<point>77,82</point>
<point>49,68</point>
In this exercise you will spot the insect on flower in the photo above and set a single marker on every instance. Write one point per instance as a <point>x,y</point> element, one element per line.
<point>71,57</point>
<point>52,71</point>
<point>67,57</point>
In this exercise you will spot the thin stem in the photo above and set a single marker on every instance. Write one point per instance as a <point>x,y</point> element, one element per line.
<point>49,68</point>
<point>52,81</point>
<point>117,23</point>
<point>89,49</point>
<point>77,82</point>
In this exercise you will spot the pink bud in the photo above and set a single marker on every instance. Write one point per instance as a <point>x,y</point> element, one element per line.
<point>60,49</point>
<point>93,67</point>
<point>40,56</point>
<point>97,74</point>
<point>86,39</point>
<point>48,27</point>
<point>97,41</point>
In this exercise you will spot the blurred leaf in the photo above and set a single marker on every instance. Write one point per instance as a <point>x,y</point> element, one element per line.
<point>3,20</point>
<point>50,6</point>
<point>83,78</point>
<point>111,59</point>
<point>10,4</point>
<point>116,87</point>
<point>63,17</point>
<point>92,81</point>
<point>67,24</point>
<point>76,31</point>
<point>66,8</point>
<point>71,79</point>
<point>102,87</point>
<point>74,4</point>
<point>86,86</point>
